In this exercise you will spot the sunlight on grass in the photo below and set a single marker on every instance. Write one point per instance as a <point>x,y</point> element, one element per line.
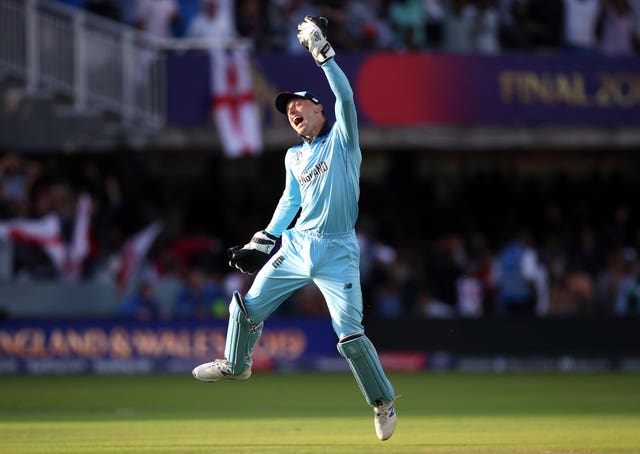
<point>277,414</point>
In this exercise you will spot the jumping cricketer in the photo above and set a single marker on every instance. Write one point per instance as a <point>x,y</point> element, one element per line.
<point>322,182</point>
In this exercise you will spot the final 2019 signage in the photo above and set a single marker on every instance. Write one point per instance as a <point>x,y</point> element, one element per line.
<point>507,90</point>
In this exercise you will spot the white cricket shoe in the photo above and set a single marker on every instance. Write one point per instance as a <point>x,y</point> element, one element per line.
<point>384,419</point>
<point>218,370</point>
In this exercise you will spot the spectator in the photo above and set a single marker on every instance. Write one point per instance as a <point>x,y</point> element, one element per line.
<point>428,306</point>
<point>198,297</point>
<point>458,27</point>
<point>284,17</point>
<point>373,252</point>
<point>479,267</point>
<point>214,22</point>
<point>336,12</point>
<point>581,291</point>
<point>251,22</point>
<point>506,9</point>
<point>435,13</point>
<point>388,297</point>
<point>547,24</point>
<point>445,264</point>
<point>157,17</point>
<point>189,251</point>
<point>187,11</point>
<point>580,22</point>
<point>128,10</point>
<point>142,305</point>
<point>587,250</point>
<point>627,299</point>
<point>618,29</point>
<point>367,26</point>
<point>515,274</point>
<point>407,20</point>
<point>619,231</point>
<point>516,27</point>
<point>487,27</point>
<point>17,175</point>
<point>106,194</point>
<point>470,294</point>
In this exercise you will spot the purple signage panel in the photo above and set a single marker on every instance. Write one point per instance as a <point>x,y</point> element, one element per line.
<point>408,89</point>
<point>39,346</point>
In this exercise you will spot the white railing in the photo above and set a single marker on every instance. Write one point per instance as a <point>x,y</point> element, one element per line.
<point>96,63</point>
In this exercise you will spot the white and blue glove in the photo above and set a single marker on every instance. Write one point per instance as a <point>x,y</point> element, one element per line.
<point>312,34</point>
<point>253,255</point>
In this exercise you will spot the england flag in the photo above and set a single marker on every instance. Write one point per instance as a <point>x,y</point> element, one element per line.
<point>233,103</point>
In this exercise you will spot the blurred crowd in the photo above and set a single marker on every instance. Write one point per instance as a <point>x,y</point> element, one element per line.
<point>474,245</point>
<point>609,27</point>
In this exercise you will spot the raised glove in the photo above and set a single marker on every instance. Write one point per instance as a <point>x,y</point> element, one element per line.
<point>312,34</point>
<point>253,255</point>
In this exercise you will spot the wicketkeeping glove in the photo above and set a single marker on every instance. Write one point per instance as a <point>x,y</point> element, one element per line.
<point>312,34</point>
<point>253,255</point>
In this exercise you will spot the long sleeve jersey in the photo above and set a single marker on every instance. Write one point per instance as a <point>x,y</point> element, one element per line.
<point>322,176</point>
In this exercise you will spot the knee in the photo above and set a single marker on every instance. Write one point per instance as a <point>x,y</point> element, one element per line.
<point>238,310</point>
<point>350,337</point>
<point>353,346</point>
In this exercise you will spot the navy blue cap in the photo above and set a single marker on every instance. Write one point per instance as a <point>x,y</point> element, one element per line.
<point>283,99</point>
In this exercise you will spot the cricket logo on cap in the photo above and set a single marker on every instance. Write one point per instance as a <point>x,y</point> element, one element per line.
<point>307,95</point>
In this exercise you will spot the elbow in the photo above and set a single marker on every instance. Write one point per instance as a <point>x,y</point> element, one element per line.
<point>347,94</point>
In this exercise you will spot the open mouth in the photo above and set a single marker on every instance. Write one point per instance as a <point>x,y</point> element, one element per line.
<point>297,120</point>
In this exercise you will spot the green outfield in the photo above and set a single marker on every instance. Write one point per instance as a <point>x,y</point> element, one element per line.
<point>320,413</point>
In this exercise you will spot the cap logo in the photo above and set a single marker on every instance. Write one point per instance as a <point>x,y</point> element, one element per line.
<point>283,98</point>
<point>307,95</point>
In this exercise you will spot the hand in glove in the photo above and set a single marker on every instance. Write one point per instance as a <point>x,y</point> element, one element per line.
<point>312,34</point>
<point>253,255</point>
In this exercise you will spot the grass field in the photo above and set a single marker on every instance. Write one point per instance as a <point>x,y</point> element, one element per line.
<point>320,413</point>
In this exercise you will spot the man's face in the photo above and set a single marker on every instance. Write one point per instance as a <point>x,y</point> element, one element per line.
<point>305,117</point>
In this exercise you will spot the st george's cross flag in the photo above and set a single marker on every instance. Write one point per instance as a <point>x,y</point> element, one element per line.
<point>233,103</point>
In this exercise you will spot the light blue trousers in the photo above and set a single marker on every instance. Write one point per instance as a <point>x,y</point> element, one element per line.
<point>331,262</point>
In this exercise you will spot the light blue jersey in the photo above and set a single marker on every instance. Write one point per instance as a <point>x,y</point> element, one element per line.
<point>322,176</point>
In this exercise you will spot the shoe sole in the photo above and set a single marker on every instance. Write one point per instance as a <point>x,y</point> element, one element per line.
<point>206,380</point>
<point>231,377</point>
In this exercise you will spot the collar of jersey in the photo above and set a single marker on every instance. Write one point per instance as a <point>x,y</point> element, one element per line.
<point>323,132</point>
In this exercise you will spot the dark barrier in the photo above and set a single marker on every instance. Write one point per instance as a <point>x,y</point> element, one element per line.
<point>571,336</point>
<point>498,345</point>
